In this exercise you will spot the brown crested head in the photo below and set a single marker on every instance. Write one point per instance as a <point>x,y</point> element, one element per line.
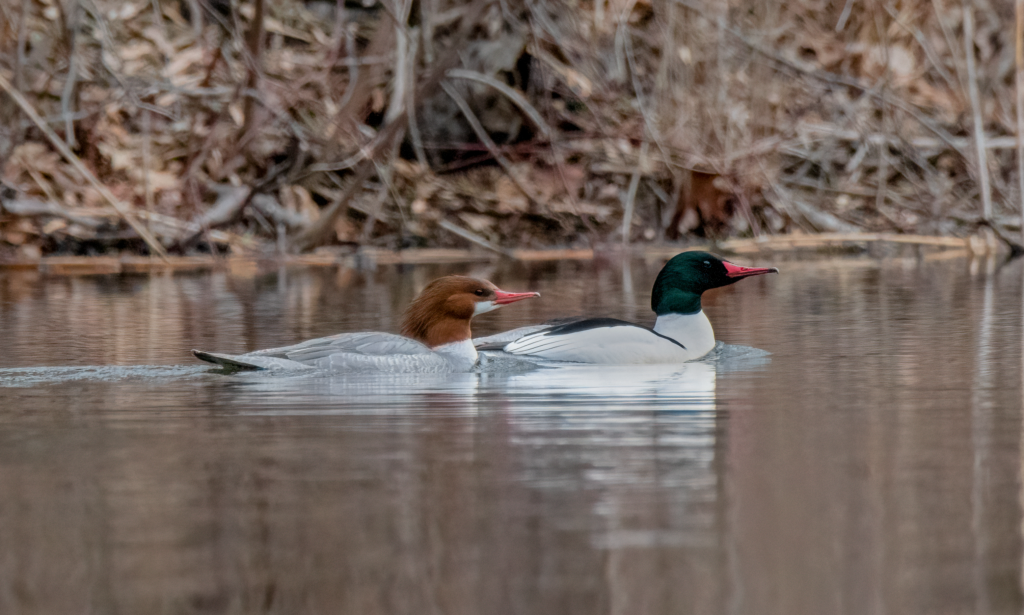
<point>442,312</point>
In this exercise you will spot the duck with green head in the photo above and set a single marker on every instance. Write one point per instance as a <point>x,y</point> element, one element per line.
<point>682,332</point>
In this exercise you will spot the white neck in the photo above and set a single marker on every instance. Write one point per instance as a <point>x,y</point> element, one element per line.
<point>462,355</point>
<point>691,330</point>
<point>484,306</point>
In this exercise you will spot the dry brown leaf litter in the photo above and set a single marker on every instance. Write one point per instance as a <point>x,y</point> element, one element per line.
<point>761,117</point>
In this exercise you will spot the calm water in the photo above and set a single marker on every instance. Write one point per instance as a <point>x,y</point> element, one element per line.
<point>872,464</point>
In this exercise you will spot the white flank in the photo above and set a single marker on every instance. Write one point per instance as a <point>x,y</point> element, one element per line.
<point>625,345</point>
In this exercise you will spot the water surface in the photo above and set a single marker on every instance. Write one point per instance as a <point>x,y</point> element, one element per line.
<point>871,464</point>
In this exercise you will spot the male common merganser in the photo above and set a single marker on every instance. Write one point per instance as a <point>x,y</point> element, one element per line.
<point>435,326</point>
<point>681,333</point>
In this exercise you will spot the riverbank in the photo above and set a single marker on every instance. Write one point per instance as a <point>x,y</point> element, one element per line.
<point>788,246</point>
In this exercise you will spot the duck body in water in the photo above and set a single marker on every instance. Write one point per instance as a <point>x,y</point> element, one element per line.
<point>682,332</point>
<point>436,336</point>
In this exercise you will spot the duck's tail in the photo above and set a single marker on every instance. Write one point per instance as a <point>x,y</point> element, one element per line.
<point>226,360</point>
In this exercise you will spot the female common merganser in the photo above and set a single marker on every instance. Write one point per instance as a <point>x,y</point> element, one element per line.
<point>681,333</point>
<point>435,326</point>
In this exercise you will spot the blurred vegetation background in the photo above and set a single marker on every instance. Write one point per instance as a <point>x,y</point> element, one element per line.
<point>212,125</point>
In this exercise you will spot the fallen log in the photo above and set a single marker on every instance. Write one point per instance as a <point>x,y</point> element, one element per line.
<point>31,207</point>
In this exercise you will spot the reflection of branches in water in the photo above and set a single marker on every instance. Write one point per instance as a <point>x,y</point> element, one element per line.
<point>981,440</point>
<point>1020,449</point>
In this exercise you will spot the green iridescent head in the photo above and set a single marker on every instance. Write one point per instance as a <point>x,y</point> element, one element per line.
<point>686,276</point>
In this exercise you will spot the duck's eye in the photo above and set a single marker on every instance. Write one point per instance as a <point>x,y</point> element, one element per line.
<point>707,263</point>
<point>480,292</point>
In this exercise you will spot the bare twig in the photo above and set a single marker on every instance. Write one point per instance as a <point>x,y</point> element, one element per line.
<point>364,152</point>
<point>158,17</point>
<point>172,227</point>
<point>147,138</point>
<point>36,207</point>
<point>883,150</point>
<point>337,34</point>
<point>950,38</point>
<point>230,201</point>
<point>485,138</point>
<point>315,233</point>
<point>957,144</point>
<point>254,45</point>
<point>282,238</point>
<point>400,79</point>
<point>352,63</point>
<point>929,51</point>
<point>427,10</point>
<point>410,103</point>
<point>1019,59</point>
<point>841,22</point>
<point>979,125</point>
<point>634,182</point>
<point>76,162</point>
<point>43,185</point>
<point>619,74</point>
<point>196,13</point>
<point>272,209</point>
<point>782,242</point>
<point>477,239</point>
<point>73,18</point>
<point>664,64</point>
<point>384,172</point>
<point>721,127</point>
<point>1016,249</point>
<point>19,67</point>
<point>514,95</point>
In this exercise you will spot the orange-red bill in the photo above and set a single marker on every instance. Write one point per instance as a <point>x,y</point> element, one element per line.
<point>503,298</point>
<point>737,271</point>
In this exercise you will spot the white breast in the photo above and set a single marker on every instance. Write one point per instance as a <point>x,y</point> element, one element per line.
<point>462,355</point>
<point>691,330</point>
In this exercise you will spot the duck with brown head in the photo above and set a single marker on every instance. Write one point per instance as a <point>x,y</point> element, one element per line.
<point>436,336</point>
